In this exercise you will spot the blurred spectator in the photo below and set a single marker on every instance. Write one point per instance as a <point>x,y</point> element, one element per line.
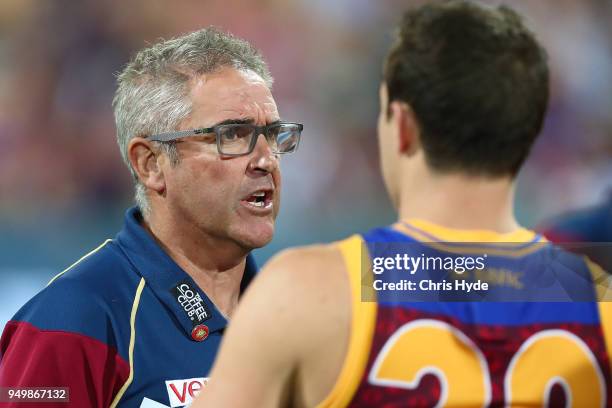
<point>587,231</point>
<point>592,224</point>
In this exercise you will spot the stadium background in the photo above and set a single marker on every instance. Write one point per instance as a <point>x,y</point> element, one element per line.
<point>64,188</point>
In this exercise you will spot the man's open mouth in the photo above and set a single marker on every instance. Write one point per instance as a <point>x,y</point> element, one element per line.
<point>260,199</point>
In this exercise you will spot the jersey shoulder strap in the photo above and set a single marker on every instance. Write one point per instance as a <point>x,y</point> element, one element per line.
<point>363,322</point>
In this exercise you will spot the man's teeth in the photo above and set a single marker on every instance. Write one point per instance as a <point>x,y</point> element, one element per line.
<point>258,199</point>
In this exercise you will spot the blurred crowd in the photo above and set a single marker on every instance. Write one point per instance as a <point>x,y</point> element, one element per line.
<point>63,186</point>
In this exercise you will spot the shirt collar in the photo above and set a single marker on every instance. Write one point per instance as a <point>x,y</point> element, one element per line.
<point>170,284</point>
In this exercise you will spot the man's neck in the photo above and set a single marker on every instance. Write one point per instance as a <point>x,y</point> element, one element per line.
<point>460,202</point>
<point>216,265</point>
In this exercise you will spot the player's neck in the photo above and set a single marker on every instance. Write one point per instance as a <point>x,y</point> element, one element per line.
<point>460,202</point>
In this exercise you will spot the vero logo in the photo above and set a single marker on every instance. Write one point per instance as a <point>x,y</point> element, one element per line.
<point>183,392</point>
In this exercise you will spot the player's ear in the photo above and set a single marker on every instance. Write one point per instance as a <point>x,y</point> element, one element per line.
<point>406,125</point>
<point>145,160</point>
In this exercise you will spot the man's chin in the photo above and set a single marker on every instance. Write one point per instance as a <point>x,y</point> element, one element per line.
<point>255,235</point>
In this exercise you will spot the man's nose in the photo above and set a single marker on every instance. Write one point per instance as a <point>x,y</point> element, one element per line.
<point>263,158</point>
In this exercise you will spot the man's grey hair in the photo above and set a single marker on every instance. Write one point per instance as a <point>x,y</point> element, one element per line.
<point>153,89</point>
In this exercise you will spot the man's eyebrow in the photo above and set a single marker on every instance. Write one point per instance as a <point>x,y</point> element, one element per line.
<point>235,122</point>
<point>247,121</point>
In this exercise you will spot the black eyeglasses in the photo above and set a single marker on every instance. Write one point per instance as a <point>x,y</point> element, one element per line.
<point>239,139</point>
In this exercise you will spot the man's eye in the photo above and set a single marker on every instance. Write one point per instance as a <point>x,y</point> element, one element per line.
<point>208,138</point>
<point>237,133</point>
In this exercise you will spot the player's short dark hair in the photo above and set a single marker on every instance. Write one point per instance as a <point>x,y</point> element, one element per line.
<point>477,81</point>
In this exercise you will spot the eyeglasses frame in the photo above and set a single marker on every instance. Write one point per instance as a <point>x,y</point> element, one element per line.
<point>179,134</point>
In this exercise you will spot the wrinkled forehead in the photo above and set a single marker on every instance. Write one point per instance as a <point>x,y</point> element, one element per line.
<point>232,94</point>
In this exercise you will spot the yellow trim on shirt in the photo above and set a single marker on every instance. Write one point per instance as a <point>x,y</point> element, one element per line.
<point>605,317</point>
<point>440,238</point>
<point>79,261</point>
<point>603,289</point>
<point>602,281</point>
<point>132,342</point>
<point>449,234</point>
<point>363,323</point>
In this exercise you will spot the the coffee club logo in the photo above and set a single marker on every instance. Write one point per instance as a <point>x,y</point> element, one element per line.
<point>191,302</point>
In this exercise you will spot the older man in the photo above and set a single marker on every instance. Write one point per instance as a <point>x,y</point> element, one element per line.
<point>137,322</point>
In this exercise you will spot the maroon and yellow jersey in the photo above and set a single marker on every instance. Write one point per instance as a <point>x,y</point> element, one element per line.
<point>475,353</point>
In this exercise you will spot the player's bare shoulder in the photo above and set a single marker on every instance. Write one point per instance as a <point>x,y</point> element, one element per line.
<point>306,282</point>
<point>320,294</point>
<point>320,262</point>
<point>315,278</point>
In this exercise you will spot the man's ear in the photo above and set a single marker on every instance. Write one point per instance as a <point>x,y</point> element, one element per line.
<point>407,129</point>
<point>145,161</point>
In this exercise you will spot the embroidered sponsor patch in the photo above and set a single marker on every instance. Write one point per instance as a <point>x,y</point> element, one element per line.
<point>191,302</point>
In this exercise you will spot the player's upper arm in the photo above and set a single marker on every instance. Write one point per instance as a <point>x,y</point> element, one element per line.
<point>285,314</point>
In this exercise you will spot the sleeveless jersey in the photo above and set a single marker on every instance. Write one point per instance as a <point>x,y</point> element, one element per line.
<point>476,353</point>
